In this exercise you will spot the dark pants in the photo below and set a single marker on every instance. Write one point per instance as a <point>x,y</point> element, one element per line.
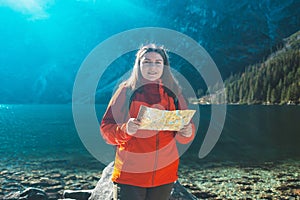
<point>129,192</point>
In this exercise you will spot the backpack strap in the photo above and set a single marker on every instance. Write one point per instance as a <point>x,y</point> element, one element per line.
<point>176,102</point>
<point>130,95</point>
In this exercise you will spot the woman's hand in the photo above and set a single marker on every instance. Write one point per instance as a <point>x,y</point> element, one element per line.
<point>186,131</point>
<point>132,126</point>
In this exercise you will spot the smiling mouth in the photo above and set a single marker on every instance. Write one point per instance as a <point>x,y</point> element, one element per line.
<point>152,73</point>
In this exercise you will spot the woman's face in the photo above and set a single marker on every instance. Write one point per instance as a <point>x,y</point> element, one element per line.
<point>152,66</point>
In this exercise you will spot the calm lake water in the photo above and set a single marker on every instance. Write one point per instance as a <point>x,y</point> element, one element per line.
<point>34,134</point>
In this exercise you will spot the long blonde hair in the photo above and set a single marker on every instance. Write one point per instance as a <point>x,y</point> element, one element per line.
<point>167,78</point>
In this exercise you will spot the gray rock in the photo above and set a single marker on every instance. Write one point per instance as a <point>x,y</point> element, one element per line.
<point>12,196</point>
<point>180,193</point>
<point>28,194</point>
<point>33,194</point>
<point>77,194</point>
<point>104,188</point>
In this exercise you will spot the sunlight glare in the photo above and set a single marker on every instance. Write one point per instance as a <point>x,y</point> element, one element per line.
<point>34,8</point>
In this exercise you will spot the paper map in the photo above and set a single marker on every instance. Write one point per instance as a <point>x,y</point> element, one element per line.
<point>155,119</point>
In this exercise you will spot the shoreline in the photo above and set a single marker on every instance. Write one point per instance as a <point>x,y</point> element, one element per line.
<point>267,180</point>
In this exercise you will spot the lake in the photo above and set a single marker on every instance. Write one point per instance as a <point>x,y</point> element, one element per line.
<point>33,134</point>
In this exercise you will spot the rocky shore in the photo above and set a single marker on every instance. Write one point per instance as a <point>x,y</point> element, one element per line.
<point>270,180</point>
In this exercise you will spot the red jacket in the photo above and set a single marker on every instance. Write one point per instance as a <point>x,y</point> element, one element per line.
<point>149,158</point>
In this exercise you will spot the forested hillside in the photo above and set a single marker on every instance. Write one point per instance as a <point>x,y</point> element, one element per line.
<point>274,81</point>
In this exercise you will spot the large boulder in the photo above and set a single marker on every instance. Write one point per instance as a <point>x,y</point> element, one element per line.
<point>28,194</point>
<point>104,188</point>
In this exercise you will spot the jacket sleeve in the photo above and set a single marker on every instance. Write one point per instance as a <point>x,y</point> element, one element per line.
<point>113,124</point>
<point>182,105</point>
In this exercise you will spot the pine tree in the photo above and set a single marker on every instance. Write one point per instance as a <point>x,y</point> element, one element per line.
<point>277,80</point>
<point>273,96</point>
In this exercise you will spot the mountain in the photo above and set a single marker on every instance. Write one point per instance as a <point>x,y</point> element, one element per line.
<point>274,81</point>
<point>235,33</point>
<point>45,42</point>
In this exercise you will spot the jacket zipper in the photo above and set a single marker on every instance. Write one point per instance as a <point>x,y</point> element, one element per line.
<point>156,157</point>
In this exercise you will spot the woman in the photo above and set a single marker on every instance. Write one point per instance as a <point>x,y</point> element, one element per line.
<point>146,161</point>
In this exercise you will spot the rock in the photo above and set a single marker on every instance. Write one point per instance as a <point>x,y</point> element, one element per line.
<point>296,192</point>
<point>56,175</point>
<point>33,194</point>
<point>203,195</point>
<point>77,194</point>
<point>4,172</point>
<point>54,189</point>
<point>46,182</point>
<point>104,188</point>
<point>71,177</point>
<point>179,192</point>
<point>53,195</point>
<point>12,196</point>
<point>245,188</point>
<point>12,186</point>
<point>28,194</point>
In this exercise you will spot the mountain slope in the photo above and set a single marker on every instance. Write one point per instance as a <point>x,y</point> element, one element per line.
<point>274,81</point>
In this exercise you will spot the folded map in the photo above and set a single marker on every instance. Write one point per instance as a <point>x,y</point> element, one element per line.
<point>155,119</point>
